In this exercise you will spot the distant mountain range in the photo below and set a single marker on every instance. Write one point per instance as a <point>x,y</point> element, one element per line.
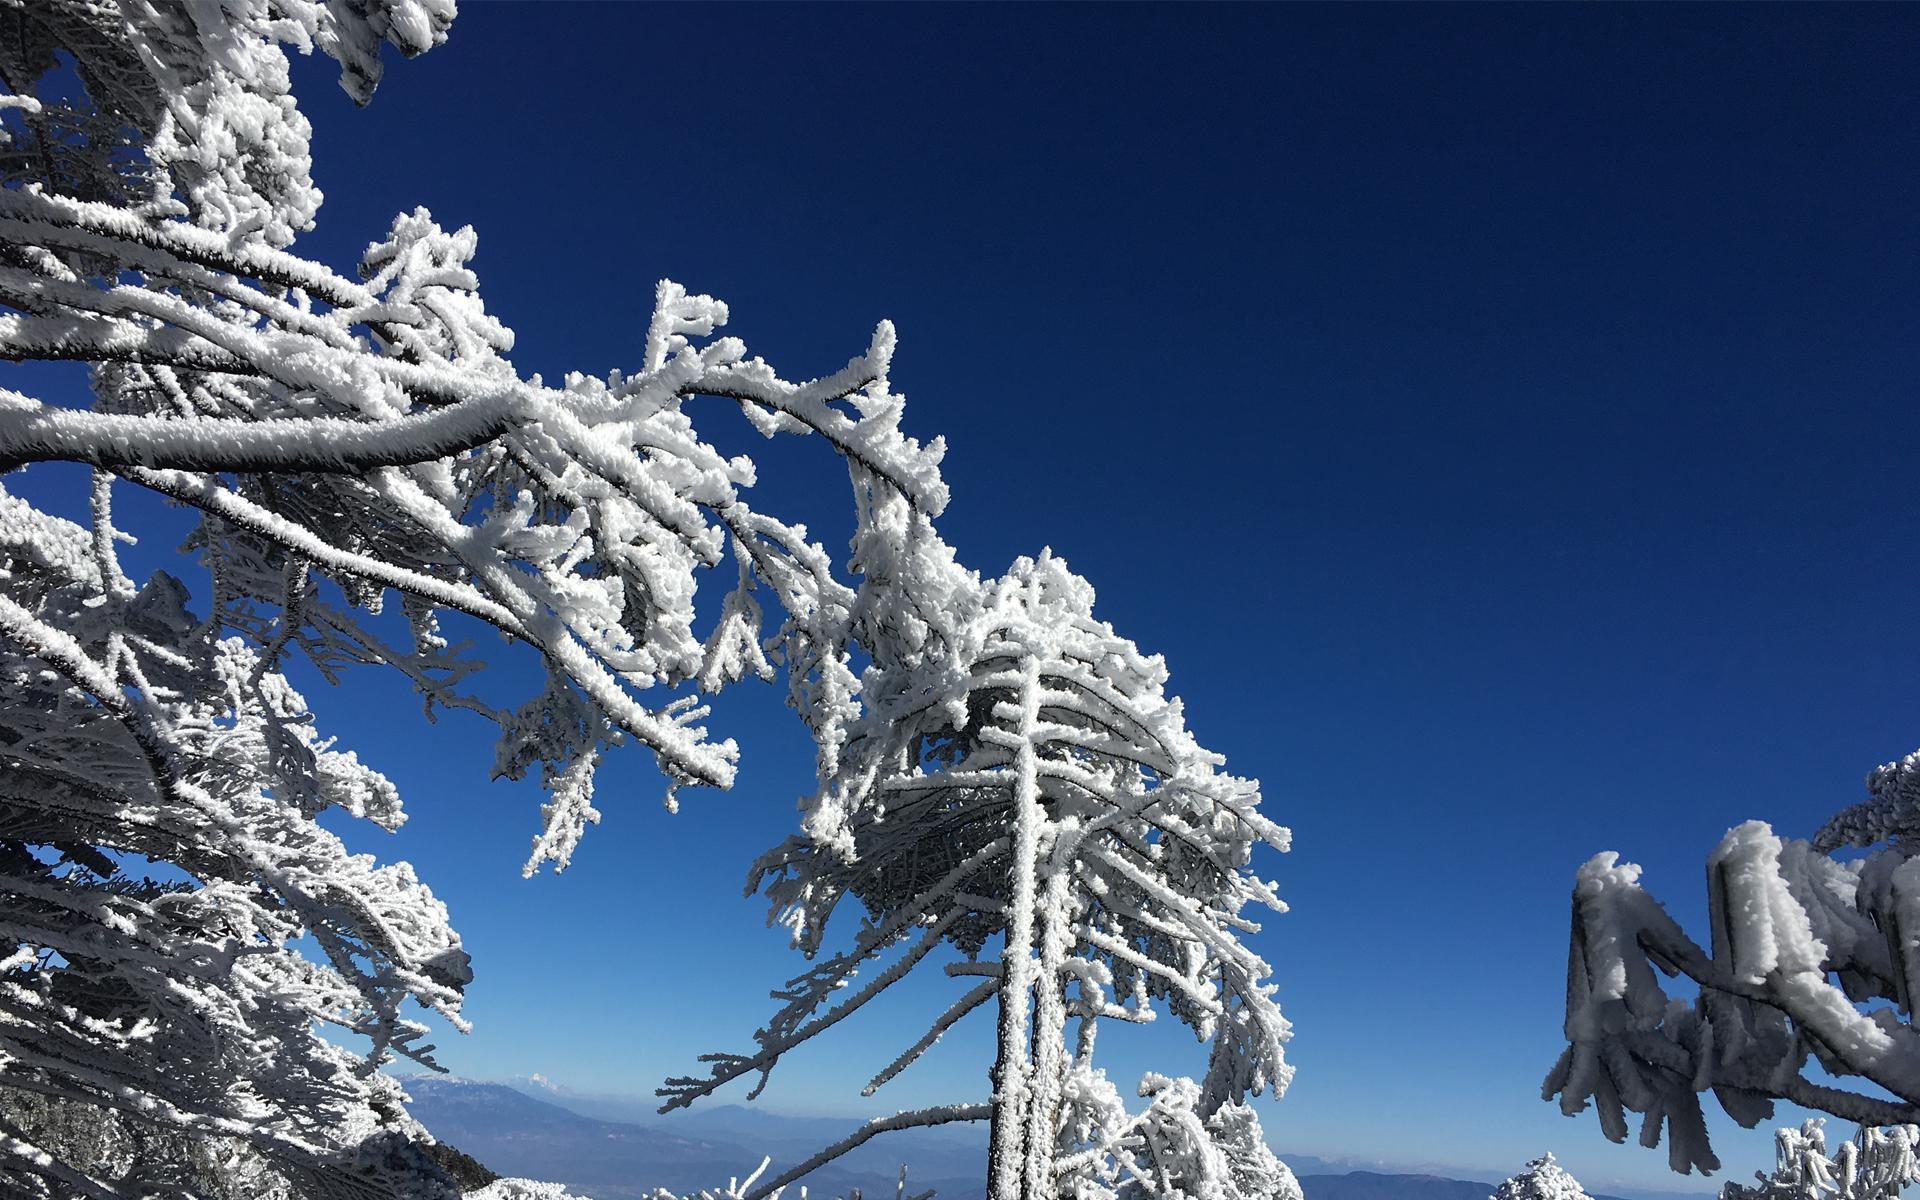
<point>1373,1185</point>
<point>618,1148</point>
<point>525,1136</point>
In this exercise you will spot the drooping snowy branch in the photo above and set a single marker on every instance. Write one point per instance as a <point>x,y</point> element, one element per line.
<point>576,519</point>
<point>1813,963</point>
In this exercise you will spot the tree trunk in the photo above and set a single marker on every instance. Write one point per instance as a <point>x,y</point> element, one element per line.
<point>1012,1070</point>
<point>1005,1127</point>
<point>1047,1077</point>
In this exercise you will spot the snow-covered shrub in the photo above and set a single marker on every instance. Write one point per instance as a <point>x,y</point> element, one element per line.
<point>1169,1150</point>
<point>1811,970</point>
<point>1541,1179</point>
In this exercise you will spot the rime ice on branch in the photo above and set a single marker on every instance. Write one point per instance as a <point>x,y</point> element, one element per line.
<point>1812,962</point>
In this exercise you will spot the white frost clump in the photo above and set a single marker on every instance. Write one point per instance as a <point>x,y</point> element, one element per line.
<point>1542,1179</point>
<point>1169,1151</point>
<point>1874,1165</point>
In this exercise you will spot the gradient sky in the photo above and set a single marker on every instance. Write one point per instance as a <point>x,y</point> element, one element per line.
<point>1502,420</point>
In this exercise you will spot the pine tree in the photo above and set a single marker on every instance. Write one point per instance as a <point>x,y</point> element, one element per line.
<point>1029,796</point>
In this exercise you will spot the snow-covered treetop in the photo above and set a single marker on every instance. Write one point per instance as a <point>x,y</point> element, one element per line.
<point>1541,1179</point>
<point>1021,787</point>
<point>1146,846</point>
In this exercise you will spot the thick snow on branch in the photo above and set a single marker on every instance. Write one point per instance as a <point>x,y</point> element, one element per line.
<point>1890,813</point>
<point>1542,1179</point>
<point>1810,972</point>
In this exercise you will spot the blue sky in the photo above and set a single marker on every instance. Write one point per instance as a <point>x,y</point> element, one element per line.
<point>1497,416</point>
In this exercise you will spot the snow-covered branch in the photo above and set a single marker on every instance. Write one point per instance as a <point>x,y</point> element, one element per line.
<point>32,432</point>
<point>1000,776</point>
<point>947,1114</point>
<point>1811,970</point>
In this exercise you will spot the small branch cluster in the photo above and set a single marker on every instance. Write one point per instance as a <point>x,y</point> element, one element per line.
<point>1874,1165</point>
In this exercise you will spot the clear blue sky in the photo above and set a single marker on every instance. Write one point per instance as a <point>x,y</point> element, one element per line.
<point>1502,420</point>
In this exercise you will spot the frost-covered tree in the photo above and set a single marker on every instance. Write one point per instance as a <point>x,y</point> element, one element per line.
<point>372,480</point>
<point>1874,1165</point>
<point>1541,1179</point>
<point>1805,990</point>
<point>999,773</point>
<point>1022,790</point>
